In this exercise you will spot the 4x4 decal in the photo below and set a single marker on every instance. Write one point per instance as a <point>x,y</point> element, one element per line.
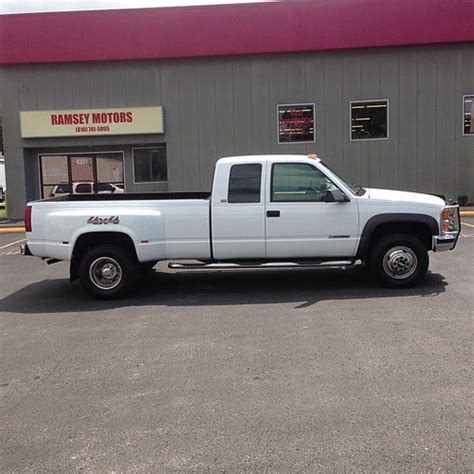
<point>96,220</point>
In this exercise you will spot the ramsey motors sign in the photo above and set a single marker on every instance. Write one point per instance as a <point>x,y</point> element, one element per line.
<point>87,122</point>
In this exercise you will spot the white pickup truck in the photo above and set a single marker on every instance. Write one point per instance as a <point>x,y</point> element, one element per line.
<point>263,211</point>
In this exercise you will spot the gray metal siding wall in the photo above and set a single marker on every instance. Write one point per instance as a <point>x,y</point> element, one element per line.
<point>223,106</point>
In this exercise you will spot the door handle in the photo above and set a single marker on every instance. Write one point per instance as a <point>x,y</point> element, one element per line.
<point>273,213</point>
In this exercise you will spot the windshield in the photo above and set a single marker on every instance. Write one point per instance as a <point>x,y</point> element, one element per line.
<point>355,188</point>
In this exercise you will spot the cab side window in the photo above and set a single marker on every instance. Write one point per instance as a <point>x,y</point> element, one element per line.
<point>245,183</point>
<point>299,182</point>
<point>84,188</point>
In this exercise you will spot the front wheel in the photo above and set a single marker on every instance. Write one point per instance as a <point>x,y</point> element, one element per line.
<point>399,260</point>
<point>107,272</point>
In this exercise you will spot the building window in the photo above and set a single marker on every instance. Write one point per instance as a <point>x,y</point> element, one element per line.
<point>244,183</point>
<point>81,173</point>
<point>299,182</point>
<point>149,165</point>
<point>468,115</point>
<point>369,120</point>
<point>296,123</point>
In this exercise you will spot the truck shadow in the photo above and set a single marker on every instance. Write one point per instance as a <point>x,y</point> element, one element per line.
<point>303,287</point>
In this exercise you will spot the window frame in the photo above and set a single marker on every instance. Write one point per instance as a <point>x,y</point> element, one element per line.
<point>462,116</point>
<point>261,197</point>
<point>278,123</point>
<point>302,201</point>
<point>133,164</point>
<point>365,101</point>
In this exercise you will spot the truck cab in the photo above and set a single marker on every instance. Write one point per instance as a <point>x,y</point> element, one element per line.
<point>283,207</point>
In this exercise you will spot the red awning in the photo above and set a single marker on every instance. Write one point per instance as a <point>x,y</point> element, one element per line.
<point>217,30</point>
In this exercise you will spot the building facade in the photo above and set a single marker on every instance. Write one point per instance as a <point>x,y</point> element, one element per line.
<point>396,115</point>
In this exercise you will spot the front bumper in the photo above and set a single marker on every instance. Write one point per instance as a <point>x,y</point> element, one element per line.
<point>445,241</point>
<point>25,250</point>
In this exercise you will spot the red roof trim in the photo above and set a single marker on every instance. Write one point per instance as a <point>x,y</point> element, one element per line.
<point>216,30</point>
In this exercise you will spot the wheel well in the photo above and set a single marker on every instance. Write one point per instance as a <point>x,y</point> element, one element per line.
<point>92,239</point>
<point>416,229</point>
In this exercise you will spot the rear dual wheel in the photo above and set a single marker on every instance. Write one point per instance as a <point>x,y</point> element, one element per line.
<point>399,260</point>
<point>108,272</point>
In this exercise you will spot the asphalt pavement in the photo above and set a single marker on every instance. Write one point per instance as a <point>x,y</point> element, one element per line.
<point>247,371</point>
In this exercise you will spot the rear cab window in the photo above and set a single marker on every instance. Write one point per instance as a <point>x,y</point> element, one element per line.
<point>245,182</point>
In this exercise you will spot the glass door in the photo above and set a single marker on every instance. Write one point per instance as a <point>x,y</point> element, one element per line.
<point>81,174</point>
<point>54,176</point>
<point>109,178</point>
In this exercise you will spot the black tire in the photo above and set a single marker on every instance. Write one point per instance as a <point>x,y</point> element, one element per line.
<point>121,268</point>
<point>399,261</point>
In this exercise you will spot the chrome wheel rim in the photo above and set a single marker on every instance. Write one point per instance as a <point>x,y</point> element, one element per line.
<point>105,273</point>
<point>400,262</point>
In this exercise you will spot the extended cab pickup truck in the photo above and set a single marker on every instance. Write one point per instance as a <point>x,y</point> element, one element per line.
<point>264,211</point>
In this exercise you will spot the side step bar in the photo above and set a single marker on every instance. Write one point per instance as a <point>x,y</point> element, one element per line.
<point>223,266</point>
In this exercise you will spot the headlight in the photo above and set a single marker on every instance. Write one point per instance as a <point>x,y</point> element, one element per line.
<point>449,219</point>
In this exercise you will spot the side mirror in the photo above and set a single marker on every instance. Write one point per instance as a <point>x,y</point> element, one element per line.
<point>335,196</point>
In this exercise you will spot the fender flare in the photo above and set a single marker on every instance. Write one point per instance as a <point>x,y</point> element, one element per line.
<point>99,235</point>
<point>392,218</point>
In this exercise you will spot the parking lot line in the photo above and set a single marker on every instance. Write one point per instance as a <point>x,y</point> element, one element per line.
<point>465,223</point>
<point>12,243</point>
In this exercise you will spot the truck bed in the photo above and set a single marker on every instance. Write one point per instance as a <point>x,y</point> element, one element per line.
<point>128,197</point>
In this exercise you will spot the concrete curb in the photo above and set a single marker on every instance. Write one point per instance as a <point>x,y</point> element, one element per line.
<point>11,230</point>
<point>466,213</point>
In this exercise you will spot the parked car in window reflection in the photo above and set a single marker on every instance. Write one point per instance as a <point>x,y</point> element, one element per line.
<point>85,187</point>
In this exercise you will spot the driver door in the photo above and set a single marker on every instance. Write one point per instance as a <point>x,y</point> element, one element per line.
<point>299,223</point>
